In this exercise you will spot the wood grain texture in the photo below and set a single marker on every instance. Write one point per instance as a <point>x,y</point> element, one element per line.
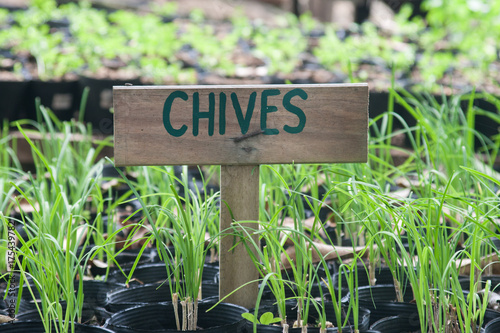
<point>335,130</point>
<point>239,192</point>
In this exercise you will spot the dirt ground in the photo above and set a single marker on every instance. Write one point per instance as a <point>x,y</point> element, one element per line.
<point>266,10</point>
<point>14,3</point>
<point>214,9</point>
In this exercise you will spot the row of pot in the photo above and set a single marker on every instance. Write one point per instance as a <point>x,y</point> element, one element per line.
<point>149,308</point>
<point>150,274</point>
<point>142,303</point>
<point>224,317</point>
<point>394,324</point>
<point>63,98</point>
<point>159,317</point>
<point>398,324</point>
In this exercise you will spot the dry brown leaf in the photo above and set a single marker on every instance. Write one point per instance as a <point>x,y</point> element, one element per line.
<point>81,233</point>
<point>327,252</point>
<point>489,262</point>
<point>307,223</point>
<point>6,319</point>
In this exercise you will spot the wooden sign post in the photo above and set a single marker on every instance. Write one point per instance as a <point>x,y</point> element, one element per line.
<point>239,128</point>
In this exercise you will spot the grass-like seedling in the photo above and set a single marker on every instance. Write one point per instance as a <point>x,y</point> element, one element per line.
<point>449,221</point>
<point>49,257</point>
<point>10,172</point>
<point>182,222</point>
<point>281,271</point>
<point>439,297</point>
<point>289,258</point>
<point>8,148</point>
<point>54,209</point>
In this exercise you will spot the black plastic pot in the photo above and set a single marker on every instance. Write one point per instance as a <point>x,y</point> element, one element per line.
<point>493,326</point>
<point>364,316</point>
<point>96,292</point>
<point>383,276</point>
<point>37,327</point>
<point>91,315</point>
<point>211,272</point>
<point>320,270</point>
<point>125,259</point>
<point>494,279</point>
<point>489,316</point>
<point>12,97</point>
<point>279,329</point>
<point>156,272</point>
<point>26,303</point>
<point>379,103</point>
<point>153,293</point>
<point>396,324</point>
<point>224,318</point>
<point>317,290</point>
<point>60,96</point>
<point>146,273</point>
<point>291,314</point>
<point>381,301</point>
<point>120,300</point>
<point>333,239</point>
<point>100,101</point>
<point>113,182</point>
<point>95,295</point>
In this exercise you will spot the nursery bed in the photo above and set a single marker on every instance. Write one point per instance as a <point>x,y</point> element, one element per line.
<point>421,217</point>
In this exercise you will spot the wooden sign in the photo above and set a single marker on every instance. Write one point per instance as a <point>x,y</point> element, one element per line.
<point>240,127</point>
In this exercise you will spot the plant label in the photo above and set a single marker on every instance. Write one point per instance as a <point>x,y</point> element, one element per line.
<point>240,125</point>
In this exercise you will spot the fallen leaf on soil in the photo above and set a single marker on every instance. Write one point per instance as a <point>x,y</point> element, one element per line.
<point>490,263</point>
<point>328,252</point>
<point>307,224</point>
<point>81,233</point>
<point>6,319</point>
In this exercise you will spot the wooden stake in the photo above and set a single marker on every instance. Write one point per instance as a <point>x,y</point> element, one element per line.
<point>239,191</point>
